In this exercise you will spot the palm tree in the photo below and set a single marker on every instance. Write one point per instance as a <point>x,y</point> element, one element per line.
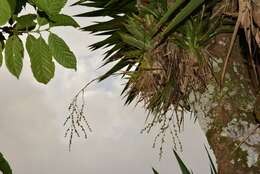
<point>200,56</point>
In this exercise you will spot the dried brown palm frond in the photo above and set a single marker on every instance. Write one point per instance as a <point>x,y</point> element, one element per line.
<point>164,84</point>
<point>248,18</point>
<point>165,75</point>
<point>256,12</point>
<point>256,17</point>
<point>168,77</point>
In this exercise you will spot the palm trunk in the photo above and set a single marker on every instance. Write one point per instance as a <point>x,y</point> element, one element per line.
<point>227,117</point>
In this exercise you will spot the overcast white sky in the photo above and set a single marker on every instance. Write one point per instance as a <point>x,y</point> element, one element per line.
<point>31,118</point>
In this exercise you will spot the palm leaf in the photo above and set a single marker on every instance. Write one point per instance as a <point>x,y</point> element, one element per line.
<point>154,171</point>
<point>212,165</point>
<point>185,12</point>
<point>183,167</point>
<point>4,165</point>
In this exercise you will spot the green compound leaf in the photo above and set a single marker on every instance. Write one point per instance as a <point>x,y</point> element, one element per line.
<point>61,52</point>
<point>16,5</point>
<point>51,7</point>
<point>42,20</point>
<point>63,20</point>
<point>4,166</point>
<point>5,12</point>
<point>12,4</point>
<point>14,53</point>
<point>41,59</point>
<point>26,22</point>
<point>1,55</point>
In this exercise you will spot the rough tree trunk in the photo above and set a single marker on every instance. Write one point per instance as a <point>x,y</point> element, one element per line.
<point>227,117</point>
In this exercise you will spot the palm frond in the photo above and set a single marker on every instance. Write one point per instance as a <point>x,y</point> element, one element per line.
<point>159,48</point>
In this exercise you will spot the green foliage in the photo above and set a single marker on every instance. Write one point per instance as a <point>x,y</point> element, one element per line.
<point>65,57</point>
<point>4,166</point>
<point>26,22</point>
<point>5,11</point>
<point>142,30</point>
<point>63,20</point>
<point>14,52</point>
<point>154,171</point>
<point>161,49</point>
<point>17,6</point>
<point>12,4</point>
<point>47,15</point>
<point>1,55</point>
<point>180,17</point>
<point>51,7</point>
<point>213,169</point>
<point>41,59</point>
<point>112,9</point>
<point>184,168</point>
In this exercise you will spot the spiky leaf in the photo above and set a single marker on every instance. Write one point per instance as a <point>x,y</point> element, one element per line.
<point>186,11</point>
<point>212,165</point>
<point>4,165</point>
<point>183,167</point>
<point>154,171</point>
<point>140,44</point>
<point>118,66</point>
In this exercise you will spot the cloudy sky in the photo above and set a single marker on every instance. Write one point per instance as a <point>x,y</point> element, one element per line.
<point>31,118</point>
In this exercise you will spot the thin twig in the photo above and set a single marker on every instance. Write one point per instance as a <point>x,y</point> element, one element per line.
<point>246,138</point>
